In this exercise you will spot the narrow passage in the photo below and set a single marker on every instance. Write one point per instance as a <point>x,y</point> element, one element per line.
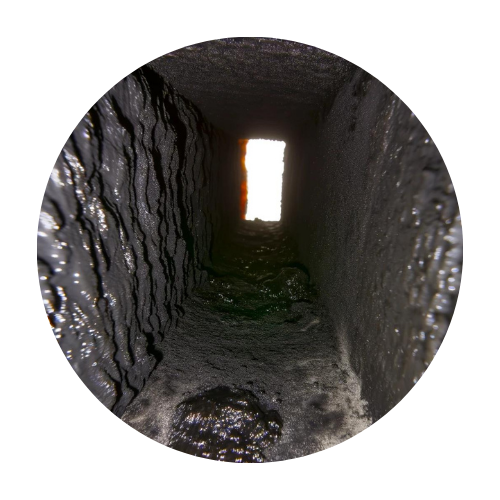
<point>254,371</point>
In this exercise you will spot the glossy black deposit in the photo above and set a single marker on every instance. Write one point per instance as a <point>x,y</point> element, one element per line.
<point>224,424</point>
<point>153,306</point>
<point>257,328</point>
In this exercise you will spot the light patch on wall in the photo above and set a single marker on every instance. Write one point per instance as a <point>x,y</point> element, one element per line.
<point>264,166</point>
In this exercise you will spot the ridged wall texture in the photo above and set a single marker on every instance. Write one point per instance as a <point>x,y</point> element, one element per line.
<point>127,222</point>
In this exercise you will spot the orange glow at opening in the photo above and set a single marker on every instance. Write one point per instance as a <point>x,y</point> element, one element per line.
<point>243,185</point>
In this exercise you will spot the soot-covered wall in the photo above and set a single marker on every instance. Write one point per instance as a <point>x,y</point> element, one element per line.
<point>130,212</point>
<point>145,182</point>
<point>369,200</point>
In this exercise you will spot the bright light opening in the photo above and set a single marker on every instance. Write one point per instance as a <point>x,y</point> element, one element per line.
<point>264,168</point>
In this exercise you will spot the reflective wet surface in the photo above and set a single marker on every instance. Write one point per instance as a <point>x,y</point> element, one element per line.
<point>256,274</point>
<point>224,424</point>
<point>254,363</point>
<point>208,348</point>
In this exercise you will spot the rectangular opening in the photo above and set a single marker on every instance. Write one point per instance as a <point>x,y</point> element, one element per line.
<point>262,161</point>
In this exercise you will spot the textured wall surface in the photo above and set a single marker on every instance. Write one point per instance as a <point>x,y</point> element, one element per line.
<point>127,220</point>
<point>256,87</point>
<point>371,205</point>
<point>145,183</point>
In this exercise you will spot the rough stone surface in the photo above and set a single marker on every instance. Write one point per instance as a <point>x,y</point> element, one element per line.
<point>127,221</point>
<point>372,207</point>
<point>256,87</point>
